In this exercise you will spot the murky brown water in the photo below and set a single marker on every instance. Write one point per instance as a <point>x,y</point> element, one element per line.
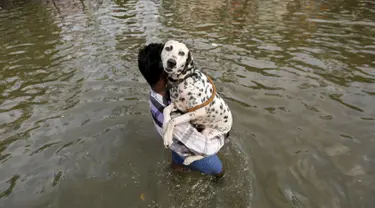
<point>298,75</point>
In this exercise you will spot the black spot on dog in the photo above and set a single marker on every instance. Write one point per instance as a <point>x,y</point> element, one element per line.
<point>226,121</point>
<point>210,90</point>
<point>217,112</point>
<point>225,117</point>
<point>221,107</point>
<point>189,93</point>
<point>199,94</point>
<point>182,99</point>
<point>201,89</point>
<point>192,98</point>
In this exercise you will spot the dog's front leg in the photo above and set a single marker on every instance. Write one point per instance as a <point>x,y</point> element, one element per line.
<point>167,115</point>
<point>168,135</point>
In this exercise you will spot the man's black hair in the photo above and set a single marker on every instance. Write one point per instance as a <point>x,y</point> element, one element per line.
<point>149,62</point>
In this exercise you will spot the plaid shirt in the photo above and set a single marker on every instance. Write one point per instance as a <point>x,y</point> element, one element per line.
<point>187,140</point>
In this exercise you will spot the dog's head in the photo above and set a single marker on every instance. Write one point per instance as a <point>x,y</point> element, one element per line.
<point>176,58</point>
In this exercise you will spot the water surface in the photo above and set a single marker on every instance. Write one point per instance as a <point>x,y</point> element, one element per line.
<point>75,129</point>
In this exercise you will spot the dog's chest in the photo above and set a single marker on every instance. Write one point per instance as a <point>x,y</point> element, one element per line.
<point>191,92</point>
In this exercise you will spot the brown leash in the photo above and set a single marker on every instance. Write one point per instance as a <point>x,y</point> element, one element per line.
<point>207,101</point>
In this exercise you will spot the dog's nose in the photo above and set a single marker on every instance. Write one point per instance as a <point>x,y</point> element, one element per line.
<point>171,63</point>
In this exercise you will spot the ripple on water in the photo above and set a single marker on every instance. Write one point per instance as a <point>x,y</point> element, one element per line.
<point>12,183</point>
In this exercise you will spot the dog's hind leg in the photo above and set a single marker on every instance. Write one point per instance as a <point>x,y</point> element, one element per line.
<point>191,159</point>
<point>211,133</point>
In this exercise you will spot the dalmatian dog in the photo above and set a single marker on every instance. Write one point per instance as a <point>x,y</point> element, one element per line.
<point>191,88</point>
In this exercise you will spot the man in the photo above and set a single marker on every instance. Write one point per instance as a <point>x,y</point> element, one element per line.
<point>187,139</point>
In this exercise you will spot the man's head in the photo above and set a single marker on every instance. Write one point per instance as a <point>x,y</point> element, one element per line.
<point>175,57</point>
<point>150,65</point>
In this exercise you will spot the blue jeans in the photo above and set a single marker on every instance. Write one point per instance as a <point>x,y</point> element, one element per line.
<point>210,165</point>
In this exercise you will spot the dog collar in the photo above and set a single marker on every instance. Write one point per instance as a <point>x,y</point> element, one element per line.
<point>180,80</point>
<point>172,80</point>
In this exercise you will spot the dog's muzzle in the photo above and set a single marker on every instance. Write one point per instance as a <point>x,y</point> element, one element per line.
<point>171,63</point>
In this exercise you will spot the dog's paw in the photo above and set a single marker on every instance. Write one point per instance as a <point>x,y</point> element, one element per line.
<point>188,161</point>
<point>168,143</point>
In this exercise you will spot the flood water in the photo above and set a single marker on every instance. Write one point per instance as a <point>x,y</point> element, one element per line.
<point>75,128</point>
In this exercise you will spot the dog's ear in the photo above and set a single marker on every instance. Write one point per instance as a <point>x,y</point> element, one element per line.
<point>189,61</point>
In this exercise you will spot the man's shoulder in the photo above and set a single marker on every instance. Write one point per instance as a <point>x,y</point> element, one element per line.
<point>156,96</point>
<point>162,100</point>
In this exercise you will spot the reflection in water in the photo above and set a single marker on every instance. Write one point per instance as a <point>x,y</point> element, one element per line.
<point>298,76</point>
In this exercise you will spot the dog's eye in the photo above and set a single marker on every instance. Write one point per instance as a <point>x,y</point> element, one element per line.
<point>169,48</point>
<point>181,53</point>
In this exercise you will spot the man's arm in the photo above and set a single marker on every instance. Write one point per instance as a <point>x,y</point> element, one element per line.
<point>173,122</point>
<point>193,141</point>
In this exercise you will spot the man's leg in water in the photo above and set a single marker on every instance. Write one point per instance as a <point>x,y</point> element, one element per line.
<point>210,165</point>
